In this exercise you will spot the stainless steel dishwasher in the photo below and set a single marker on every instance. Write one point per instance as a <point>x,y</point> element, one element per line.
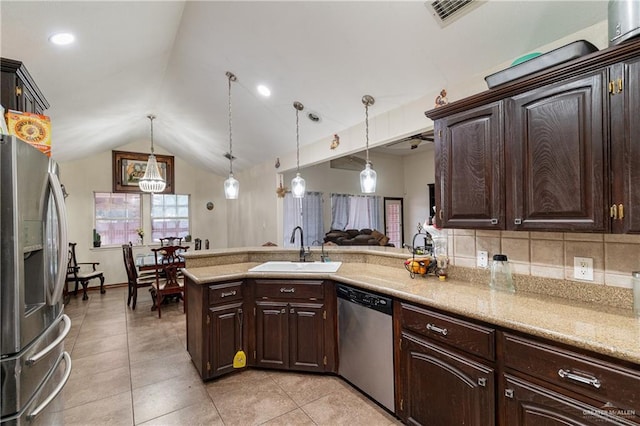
<point>365,343</point>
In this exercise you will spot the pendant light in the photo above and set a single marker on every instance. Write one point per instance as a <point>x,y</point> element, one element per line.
<point>368,176</point>
<point>231,185</point>
<point>298,185</point>
<point>152,180</point>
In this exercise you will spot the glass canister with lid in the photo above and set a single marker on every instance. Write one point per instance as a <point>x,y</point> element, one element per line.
<point>635,282</point>
<point>501,278</point>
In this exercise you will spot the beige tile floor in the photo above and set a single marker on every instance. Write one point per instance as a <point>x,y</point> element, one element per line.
<point>129,367</point>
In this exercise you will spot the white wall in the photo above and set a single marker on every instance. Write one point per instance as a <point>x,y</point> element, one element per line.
<point>84,177</point>
<point>251,219</point>
<point>419,171</point>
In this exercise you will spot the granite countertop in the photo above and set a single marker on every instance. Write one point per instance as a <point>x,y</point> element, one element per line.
<point>584,325</point>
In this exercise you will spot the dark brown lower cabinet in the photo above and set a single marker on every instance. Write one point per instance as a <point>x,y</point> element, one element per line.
<point>226,337</point>
<point>546,384</point>
<point>216,326</point>
<point>290,335</point>
<point>443,387</point>
<point>529,404</point>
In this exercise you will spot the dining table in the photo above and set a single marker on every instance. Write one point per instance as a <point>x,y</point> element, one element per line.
<point>147,262</point>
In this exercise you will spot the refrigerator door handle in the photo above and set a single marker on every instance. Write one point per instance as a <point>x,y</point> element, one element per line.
<point>63,255</point>
<point>67,326</point>
<point>67,359</point>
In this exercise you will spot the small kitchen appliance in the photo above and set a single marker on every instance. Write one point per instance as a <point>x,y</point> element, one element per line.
<point>635,282</point>
<point>624,20</point>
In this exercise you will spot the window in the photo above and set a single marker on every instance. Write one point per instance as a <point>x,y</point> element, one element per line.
<point>355,212</point>
<point>117,217</point>
<point>307,213</point>
<point>169,216</point>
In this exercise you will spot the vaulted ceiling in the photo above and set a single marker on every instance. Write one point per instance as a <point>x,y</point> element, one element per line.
<point>133,58</point>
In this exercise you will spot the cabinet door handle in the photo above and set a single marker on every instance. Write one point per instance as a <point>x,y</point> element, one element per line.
<point>569,375</point>
<point>613,212</point>
<point>292,311</point>
<point>517,221</point>
<point>508,393</point>
<point>482,382</point>
<point>441,214</point>
<point>436,329</point>
<point>612,89</point>
<point>287,290</point>
<point>227,294</point>
<point>283,311</point>
<point>494,221</point>
<point>620,211</point>
<point>619,85</point>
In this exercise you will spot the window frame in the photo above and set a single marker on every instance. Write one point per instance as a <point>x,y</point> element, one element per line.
<point>177,206</point>
<point>131,232</point>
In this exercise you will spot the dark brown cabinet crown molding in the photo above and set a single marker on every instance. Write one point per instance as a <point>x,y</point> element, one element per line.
<point>587,63</point>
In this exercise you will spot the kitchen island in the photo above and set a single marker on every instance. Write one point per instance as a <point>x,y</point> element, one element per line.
<point>509,341</point>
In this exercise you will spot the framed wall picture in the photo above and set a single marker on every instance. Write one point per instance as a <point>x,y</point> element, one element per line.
<point>129,168</point>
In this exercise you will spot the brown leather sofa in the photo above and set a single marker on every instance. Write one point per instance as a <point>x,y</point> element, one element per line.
<point>355,237</point>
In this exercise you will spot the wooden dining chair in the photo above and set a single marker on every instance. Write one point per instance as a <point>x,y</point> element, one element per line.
<point>170,241</point>
<point>81,273</point>
<point>168,275</point>
<point>135,279</point>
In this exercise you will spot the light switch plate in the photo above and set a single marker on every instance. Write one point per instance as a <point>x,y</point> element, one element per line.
<point>483,259</point>
<point>583,268</point>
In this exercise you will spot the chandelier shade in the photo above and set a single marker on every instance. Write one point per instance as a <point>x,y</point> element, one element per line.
<point>152,181</point>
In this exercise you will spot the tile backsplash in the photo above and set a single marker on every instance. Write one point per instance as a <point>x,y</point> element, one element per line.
<point>551,254</point>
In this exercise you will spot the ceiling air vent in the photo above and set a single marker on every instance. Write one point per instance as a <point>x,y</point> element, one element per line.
<point>447,11</point>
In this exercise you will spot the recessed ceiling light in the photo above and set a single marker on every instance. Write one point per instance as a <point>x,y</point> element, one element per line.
<point>264,90</point>
<point>62,38</point>
<point>313,117</point>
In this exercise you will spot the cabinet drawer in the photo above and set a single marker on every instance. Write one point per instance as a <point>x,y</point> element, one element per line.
<point>223,293</point>
<point>290,289</point>
<point>598,379</point>
<point>469,337</point>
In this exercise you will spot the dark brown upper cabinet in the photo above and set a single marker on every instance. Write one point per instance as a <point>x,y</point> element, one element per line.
<point>553,151</point>
<point>624,95</point>
<point>18,90</point>
<point>555,156</point>
<point>469,155</point>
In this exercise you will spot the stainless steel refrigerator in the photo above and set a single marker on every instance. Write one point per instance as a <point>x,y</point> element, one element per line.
<point>33,263</point>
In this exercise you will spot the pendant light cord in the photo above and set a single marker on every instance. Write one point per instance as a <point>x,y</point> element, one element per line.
<point>151,118</point>
<point>366,121</point>
<point>297,143</point>
<point>231,76</point>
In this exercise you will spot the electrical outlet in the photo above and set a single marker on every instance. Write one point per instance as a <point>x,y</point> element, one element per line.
<point>483,259</point>
<point>583,268</point>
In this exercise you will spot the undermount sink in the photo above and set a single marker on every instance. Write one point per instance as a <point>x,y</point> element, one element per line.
<point>297,267</point>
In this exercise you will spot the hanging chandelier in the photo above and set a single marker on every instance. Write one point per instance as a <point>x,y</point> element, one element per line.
<point>368,176</point>
<point>152,180</point>
<point>298,185</point>
<point>231,185</point>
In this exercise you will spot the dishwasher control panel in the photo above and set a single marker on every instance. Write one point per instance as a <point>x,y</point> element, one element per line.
<point>370,300</point>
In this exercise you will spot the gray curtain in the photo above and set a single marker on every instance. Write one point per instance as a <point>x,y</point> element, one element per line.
<point>307,213</point>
